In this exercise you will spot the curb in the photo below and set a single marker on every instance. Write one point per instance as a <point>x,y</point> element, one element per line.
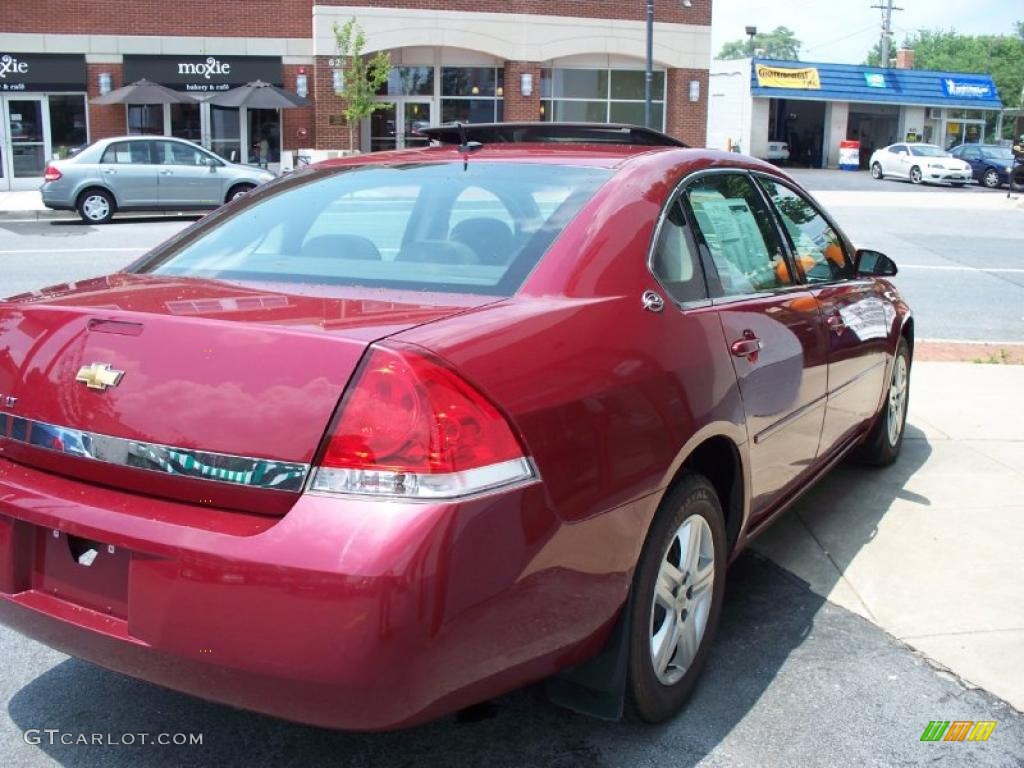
<point>48,215</point>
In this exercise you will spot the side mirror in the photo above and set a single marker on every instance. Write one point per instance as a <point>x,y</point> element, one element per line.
<point>874,264</point>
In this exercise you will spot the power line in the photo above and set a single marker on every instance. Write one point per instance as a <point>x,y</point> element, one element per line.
<point>839,39</point>
<point>886,10</point>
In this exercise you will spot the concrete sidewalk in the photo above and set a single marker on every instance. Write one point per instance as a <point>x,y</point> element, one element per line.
<point>932,548</point>
<point>28,204</point>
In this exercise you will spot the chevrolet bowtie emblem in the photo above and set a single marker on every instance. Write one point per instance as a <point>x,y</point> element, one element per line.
<point>99,376</point>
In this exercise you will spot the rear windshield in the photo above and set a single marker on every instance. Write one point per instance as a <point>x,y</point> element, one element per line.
<point>435,227</point>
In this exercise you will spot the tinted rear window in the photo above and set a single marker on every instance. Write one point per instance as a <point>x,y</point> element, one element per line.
<point>436,227</point>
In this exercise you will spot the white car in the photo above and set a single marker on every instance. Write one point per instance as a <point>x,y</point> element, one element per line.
<point>921,163</point>
<point>777,150</point>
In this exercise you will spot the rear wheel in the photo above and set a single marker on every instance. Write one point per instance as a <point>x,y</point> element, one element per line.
<point>876,171</point>
<point>916,176</point>
<point>96,206</point>
<point>882,445</point>
<point>990,178</point>
<point>678,590</point>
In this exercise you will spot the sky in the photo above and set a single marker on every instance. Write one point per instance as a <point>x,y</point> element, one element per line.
<point>843,31</point>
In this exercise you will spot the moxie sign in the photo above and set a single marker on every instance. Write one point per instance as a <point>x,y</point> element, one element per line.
<point>41,72</point>
<point>202,74</point>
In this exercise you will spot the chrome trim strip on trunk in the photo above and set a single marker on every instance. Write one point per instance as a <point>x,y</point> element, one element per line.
<point>153,457</point>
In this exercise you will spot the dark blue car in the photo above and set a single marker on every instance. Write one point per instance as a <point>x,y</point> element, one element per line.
<point>991,163</point>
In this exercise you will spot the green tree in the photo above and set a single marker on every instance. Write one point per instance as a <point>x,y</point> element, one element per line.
<point>780,43</point>
<point>1001,56</point>
<point>362,76</point>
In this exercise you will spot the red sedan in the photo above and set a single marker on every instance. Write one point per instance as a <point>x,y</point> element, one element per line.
<point>396,434</point>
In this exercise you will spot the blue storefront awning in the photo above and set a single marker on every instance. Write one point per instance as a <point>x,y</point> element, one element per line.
<point>851,82</point>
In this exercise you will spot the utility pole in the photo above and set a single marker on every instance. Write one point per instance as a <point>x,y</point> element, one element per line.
<point>886,10</point>
<point>649,71</point>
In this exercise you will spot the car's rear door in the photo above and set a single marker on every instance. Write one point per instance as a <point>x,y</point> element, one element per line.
<point>773,329</point>
<point>858,318</point>
<point>187,176</point>
<point>127,170</point>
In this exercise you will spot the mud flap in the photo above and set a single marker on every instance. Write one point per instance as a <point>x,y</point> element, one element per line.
<point>597,687</point>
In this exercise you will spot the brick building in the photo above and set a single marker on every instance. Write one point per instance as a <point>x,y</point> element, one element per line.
<point>452,59</point>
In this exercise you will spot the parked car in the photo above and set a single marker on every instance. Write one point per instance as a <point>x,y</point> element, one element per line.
<point>991,164</point>
<point>777,150</point>
<point>920,163</point>
<point>144,173</point>
<point>394,434</point>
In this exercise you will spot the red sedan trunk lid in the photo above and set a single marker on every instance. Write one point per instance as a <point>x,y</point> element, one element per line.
<point>200,366</point>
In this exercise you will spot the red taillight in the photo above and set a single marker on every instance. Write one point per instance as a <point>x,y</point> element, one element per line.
<point>411,426</point>
<point>52,174</point>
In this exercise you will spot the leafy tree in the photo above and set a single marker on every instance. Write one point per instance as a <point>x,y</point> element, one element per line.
<point>780,43</point>
<point>362,77</point>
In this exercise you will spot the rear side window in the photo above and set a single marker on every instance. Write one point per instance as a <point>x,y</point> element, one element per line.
<point>674,262</point>
<point>436,227</point>
<point>737,229</point>
<point>127,153</point>
<point>819,250</point>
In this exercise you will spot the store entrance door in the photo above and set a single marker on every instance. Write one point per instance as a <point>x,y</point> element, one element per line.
<point>963,132</point>
<point>395,126</point>
<point>25,145</point>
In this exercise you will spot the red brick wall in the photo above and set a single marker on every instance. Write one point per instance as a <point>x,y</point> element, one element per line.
<point>287,18</point>
<point>330,129</point>
<point>298,129</point>
<point>105,121</point>
<point>687,120</point>
<point>517,106</point>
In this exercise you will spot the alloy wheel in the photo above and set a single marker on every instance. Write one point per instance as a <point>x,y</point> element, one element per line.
<point>682,600</point>
<point>991,178</point>
<point>897,399</point>
<point>96,207</point>
<point>876,171</point>
<point>915,175</point>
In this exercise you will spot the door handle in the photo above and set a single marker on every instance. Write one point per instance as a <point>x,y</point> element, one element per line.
<point>165,172</point>
<point>836,324</point>
<point>747,347</point>
<point>111,171</point>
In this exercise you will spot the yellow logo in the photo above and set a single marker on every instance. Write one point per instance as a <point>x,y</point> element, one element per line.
<point>99,376</point>
<point>786,77</point>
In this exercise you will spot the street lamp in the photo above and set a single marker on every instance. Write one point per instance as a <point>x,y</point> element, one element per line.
<point>751,33</point>
<point>649,68</point>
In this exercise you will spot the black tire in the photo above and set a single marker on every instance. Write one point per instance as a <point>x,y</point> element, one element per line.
<point>648,699</point>
<point>238,190</point>
<point>990,178</point>
<point>916,177</point>
<point>96,206</point>
<point>878,448</point>
<point>876,171</point>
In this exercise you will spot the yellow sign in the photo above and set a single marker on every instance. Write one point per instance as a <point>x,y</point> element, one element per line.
<point>783,77</point>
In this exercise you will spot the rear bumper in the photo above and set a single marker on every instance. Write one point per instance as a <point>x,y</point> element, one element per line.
<point>344,613</point>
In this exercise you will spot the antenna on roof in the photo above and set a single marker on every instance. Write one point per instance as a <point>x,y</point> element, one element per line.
<point>465,147</point>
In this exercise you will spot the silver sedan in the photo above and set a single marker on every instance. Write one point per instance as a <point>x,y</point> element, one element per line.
<point>144,173</point>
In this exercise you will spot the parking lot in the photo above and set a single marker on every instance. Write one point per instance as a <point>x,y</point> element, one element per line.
<point>882,601</point>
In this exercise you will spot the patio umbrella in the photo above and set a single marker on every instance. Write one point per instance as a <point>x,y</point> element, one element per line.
<point>145,92</point>
<point>259,95</point>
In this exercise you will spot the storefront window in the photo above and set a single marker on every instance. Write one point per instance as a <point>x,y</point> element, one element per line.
<point>472,94</point>
<point>67,123</point>
<point>226,133</point>
<point>264,136</point>
<point>146,119</point>
<point>185,121</point>
<point>409,81</point>
<point>600,95</point>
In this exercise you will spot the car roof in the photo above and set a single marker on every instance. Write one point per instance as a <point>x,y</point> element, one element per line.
<point>610,156</point>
